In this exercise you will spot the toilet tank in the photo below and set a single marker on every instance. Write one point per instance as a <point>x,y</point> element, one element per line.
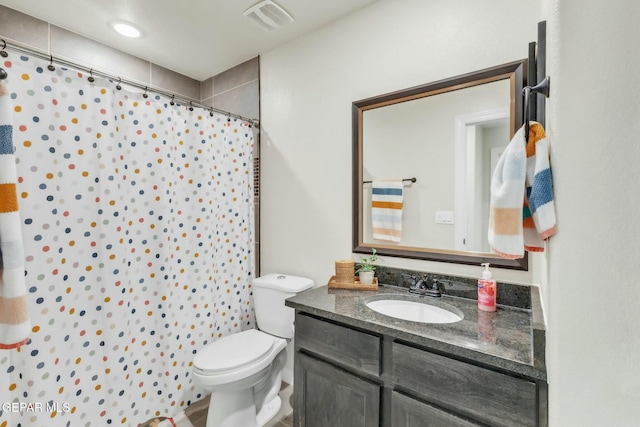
<point>269,293</point>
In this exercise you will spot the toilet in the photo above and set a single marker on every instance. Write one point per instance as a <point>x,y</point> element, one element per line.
<point>243,371</point>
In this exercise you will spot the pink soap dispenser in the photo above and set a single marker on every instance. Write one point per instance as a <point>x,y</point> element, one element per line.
<point>487,290</point>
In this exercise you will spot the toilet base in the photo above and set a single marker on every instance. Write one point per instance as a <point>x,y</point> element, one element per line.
<point>269,411</point>
<point>232,409</point>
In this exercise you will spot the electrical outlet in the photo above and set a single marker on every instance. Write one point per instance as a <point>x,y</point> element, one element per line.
<point>444,217</point>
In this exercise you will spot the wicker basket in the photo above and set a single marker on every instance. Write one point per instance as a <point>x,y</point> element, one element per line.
<point>345,271</point>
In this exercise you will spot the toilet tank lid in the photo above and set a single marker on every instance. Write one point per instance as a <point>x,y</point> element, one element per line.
<point>283,282</point>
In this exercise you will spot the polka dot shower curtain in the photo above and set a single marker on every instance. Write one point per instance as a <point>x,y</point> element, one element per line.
<point>137,222</point>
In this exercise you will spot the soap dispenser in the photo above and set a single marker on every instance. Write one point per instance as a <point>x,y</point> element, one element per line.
<point>487,290</point>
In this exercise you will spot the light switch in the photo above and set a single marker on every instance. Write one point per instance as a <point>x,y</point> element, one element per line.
<point>444,217</point>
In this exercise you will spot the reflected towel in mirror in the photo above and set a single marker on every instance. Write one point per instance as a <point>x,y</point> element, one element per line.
<point>386,209</point>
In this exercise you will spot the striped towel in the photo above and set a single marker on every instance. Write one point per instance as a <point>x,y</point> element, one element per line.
<point>539,216</point>
<point>386,210</point>
<point>517,222</point>
<point>14,319</point>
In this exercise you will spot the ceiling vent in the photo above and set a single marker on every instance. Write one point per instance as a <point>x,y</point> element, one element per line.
<point>268,15</point>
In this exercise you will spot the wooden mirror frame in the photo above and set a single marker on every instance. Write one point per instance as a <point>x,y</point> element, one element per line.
<point>516,73</point>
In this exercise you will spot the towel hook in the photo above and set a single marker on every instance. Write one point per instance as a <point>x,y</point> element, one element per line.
<point>541,88</point>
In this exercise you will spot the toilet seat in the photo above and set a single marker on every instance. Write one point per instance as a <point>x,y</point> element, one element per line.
<point>233,352</point>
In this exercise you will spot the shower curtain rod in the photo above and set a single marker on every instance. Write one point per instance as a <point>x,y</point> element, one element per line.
<point>114,78</point>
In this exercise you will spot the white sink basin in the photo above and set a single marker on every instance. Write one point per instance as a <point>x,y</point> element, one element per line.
<point>413,311</point>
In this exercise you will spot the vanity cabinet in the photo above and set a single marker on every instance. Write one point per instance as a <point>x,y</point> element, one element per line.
<point>409,412</point>
<point>490,397</point>
<point>351,377</point>
<point>331,396</point>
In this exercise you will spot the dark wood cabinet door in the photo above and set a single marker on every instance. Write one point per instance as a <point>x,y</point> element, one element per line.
<point>408,412</point>
<point>490,397</point>
<point>326,396</point>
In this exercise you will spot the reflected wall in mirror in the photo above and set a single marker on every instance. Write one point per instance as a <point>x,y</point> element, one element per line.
<point>448,135</point>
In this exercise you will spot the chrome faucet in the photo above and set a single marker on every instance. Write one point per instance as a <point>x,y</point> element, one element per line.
<point>421,286</point>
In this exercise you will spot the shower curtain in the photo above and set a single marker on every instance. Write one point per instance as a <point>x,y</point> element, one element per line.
<point>137,223</point>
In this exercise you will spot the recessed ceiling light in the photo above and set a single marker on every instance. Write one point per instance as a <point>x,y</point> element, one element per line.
<point>126,29</point>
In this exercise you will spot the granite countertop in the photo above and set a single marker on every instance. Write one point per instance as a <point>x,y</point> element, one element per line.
<point>506,339</point>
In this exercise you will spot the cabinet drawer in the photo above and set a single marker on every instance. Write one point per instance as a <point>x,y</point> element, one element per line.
<point>481,394</point>
<point>344,345</point>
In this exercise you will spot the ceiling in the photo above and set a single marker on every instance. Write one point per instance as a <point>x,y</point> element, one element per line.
<point>197,38</point>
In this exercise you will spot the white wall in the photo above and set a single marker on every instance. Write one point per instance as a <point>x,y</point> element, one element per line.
<point>593,336</point>
<point>307,88</point>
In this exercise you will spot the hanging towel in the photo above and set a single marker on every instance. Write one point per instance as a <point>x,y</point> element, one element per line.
<point>521,212</point>
<point>14,319</point>
<point>386,210</point>
<point>507,195</point>
<point>539,216</point>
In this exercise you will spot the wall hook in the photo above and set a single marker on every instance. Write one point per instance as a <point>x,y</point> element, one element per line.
<point>541,88</point>
<point>90,78</point>
<point>51,67</point>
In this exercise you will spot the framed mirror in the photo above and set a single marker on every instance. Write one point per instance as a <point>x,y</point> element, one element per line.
<point>437,145</point>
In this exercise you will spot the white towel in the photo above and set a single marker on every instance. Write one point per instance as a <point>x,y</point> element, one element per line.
<point>14,318</point>
<point>386,210</point>
<point>507,198</point>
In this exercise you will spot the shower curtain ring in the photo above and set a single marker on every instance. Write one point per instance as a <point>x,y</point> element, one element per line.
<point>190,105</point>
<point>145,95</point>
<point>51,67</point>
<point>90,78</point>
<point>3,72</point>
<point>118,86</point>
<point>229,117</point>
<point>211,112</point>
<point>172,102</point>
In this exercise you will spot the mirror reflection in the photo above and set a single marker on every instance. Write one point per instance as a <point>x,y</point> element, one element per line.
<point>447,135</point>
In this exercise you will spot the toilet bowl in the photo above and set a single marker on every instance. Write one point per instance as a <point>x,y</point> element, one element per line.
<point>243,371</point>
